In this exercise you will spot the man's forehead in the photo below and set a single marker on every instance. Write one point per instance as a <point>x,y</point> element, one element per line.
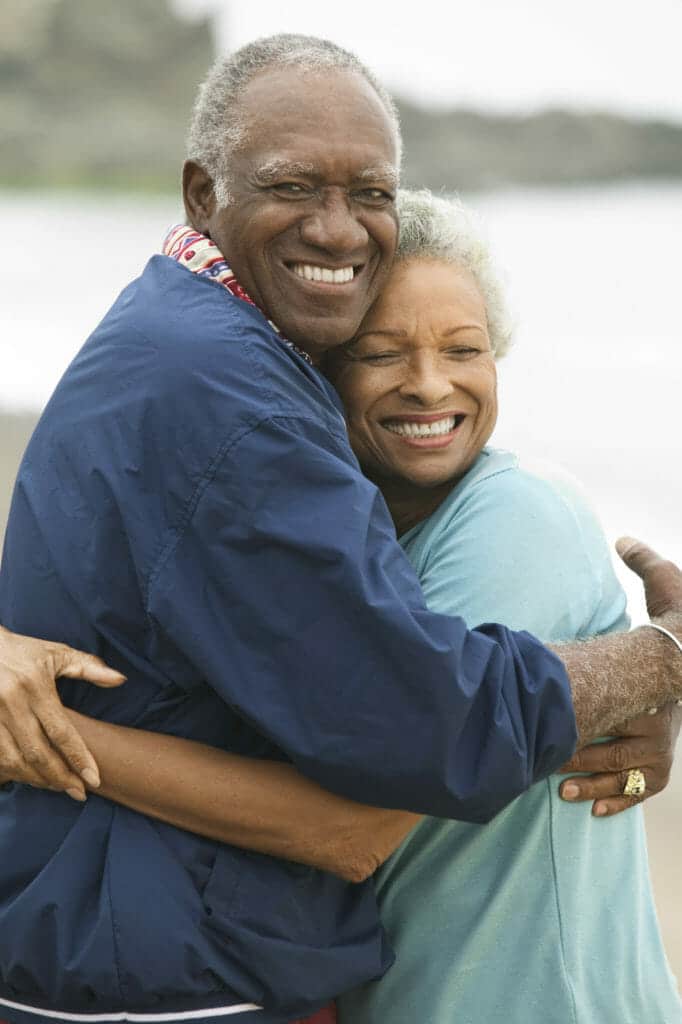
<point>275,169</point>
<point>283,105</point>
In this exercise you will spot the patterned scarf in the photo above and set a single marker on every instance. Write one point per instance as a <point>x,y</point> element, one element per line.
<point>199,254</point>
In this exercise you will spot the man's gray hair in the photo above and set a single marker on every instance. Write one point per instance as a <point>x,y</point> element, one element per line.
<point>217,127</point>
<point>432,227</point>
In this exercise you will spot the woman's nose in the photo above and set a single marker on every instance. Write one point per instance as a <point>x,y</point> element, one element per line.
<point>334,227</point>
<point>426,382</point>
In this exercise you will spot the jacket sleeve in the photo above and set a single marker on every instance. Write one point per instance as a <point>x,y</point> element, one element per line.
<point>286,589</point>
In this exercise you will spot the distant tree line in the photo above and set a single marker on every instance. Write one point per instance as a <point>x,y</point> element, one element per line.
<point>99,94</point>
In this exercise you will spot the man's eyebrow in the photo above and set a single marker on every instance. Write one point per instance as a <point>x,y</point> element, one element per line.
<point>380,172</point>
<point>277,169</point>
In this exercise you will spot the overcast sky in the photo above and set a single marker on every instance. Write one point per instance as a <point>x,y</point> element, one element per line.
<point>622,55</point>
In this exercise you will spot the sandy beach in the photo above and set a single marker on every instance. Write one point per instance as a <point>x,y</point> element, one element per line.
<point>663,814</point>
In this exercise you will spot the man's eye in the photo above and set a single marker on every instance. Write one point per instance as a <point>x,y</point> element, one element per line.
<point>374,196</point>
<point>290,189</point>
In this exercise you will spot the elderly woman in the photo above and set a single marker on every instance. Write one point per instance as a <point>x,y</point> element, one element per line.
<point>546,914</point>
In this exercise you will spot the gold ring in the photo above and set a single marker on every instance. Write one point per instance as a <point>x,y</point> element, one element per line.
<point>635,784</point>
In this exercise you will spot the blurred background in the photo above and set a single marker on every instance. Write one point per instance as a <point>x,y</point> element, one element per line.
<point>561,124</point>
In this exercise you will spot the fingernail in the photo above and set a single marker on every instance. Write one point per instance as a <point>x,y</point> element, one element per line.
<point>76,794</point>
<point>600,810</point>
<point>623,544</point>
<point>570,791</point>
<point>91,778</point>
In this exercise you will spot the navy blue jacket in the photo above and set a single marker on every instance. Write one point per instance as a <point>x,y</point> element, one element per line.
<point>189,508</point>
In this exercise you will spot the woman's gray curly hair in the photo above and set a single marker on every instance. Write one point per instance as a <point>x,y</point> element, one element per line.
<point>217,127</point>
<point>432,227</point>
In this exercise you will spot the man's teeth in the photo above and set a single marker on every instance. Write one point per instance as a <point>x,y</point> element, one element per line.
<point>444,426</point>
<point>325,274</point>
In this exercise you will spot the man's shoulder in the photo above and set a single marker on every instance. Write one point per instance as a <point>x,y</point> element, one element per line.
<point>198,333</point>
<point>192,356</point>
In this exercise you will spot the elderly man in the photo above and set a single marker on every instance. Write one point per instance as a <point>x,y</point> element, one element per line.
<point>189,509</point>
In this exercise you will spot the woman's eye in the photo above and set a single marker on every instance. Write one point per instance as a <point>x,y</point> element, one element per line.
<point>376,358</point>
<point>463,352</point>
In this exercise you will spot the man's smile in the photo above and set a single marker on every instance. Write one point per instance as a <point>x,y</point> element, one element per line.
<point>320,278</point>
<point>328,275</point>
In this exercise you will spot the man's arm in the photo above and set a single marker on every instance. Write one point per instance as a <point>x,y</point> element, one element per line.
<point>263,805</point>
<point>290,553</point>
<point>618,677</point>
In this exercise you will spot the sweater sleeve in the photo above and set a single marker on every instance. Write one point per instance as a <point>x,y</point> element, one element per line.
<point>286,589</point>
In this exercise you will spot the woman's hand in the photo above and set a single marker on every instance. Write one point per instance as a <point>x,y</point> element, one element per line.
<point>647,743</point>
<point>38,743</point>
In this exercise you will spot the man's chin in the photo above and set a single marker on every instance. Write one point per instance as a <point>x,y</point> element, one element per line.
<point>319,333</point>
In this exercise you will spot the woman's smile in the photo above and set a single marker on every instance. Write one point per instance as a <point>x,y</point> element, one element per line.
<point>435,431</point>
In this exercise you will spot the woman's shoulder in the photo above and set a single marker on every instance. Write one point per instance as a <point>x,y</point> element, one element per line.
<point>528,528</point>
<point>502,480</point>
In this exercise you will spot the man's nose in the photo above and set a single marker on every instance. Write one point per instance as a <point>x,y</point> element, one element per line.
<point>426,381</point>
<point>334,226</point>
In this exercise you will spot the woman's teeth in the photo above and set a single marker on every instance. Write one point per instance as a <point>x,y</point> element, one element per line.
<point>325,274</point>
<point>444,426</point>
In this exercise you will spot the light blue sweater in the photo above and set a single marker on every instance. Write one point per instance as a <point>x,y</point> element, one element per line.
<point>544,916</point>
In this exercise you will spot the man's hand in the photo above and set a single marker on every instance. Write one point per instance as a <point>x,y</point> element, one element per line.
<point>661,578</point>
<point>38,743</point>
<point>647,743</point>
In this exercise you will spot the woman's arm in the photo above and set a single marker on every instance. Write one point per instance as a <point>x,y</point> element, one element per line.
<point>260,805</point>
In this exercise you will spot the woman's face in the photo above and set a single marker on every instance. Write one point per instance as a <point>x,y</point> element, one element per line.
<point>419,382</point>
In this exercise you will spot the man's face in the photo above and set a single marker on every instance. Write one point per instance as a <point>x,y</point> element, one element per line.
<point>311,230</point>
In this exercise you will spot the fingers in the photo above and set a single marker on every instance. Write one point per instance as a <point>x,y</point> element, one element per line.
<point>615,805</point>
<point>31,712</point>
<point>65,738</point>
<point>606,790</point>
<point>79,665</point>
<point>35,770</point>
<point>637,555</point>
<point>662,579</point>
<point>614,757</point>
<point>38,756</point>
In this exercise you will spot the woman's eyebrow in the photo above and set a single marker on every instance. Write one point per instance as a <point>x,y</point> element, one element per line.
<point>461,327</point>
<point>388,332</point>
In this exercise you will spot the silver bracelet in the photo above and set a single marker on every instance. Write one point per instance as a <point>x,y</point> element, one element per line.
<point>671,636</point>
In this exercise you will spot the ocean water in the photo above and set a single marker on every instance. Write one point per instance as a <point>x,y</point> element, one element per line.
<point>593,382</point>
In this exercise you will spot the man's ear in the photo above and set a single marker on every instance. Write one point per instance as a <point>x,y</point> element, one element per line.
<point>198,196</point>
